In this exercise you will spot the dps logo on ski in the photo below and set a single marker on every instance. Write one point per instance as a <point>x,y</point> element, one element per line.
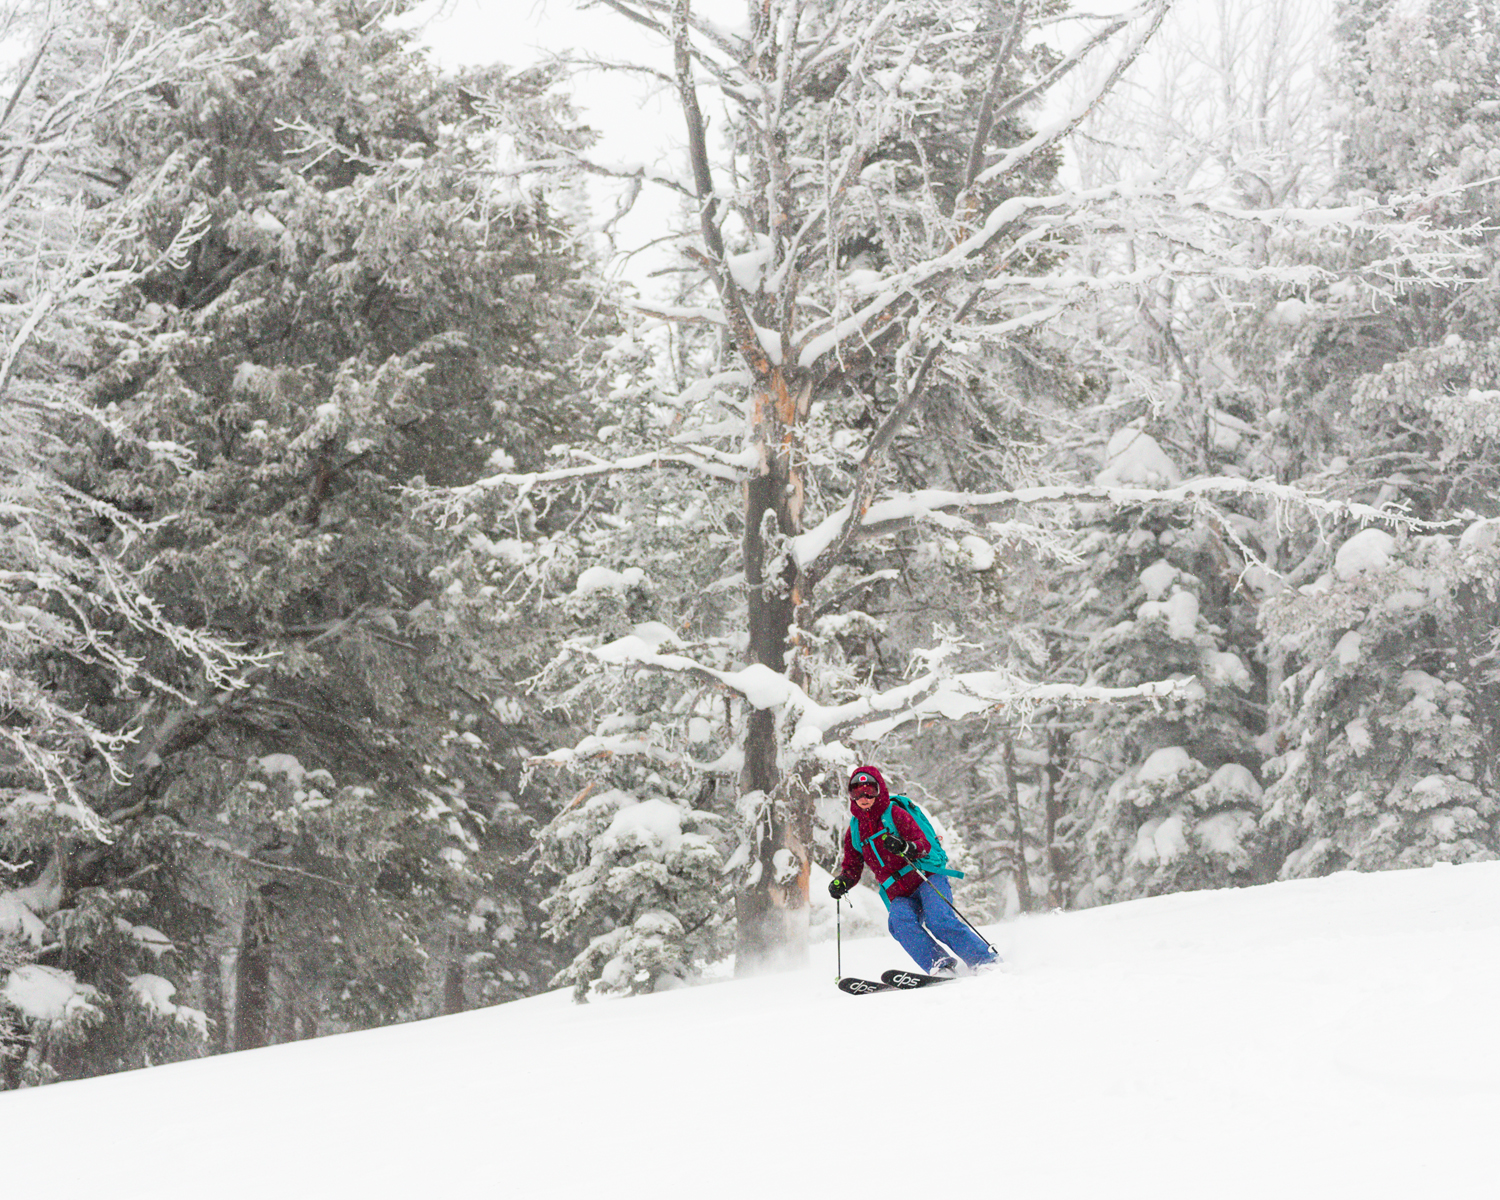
<point>860,985</point>
<point>902,979</point>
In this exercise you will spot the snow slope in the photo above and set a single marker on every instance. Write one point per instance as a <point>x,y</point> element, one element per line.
<point>1331,1038</point>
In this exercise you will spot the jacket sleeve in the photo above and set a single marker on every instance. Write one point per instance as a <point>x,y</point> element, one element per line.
<point>853,865</point>
<point>911,831</point>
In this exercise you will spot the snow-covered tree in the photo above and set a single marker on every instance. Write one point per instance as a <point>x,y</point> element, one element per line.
<point>641,889</point>
<point>1386,732</point>
<point>858,284</point>
<point>1384,728</point>
<point>1207,364</point>
<point>1161,598</point>
<point>856,251</point>
<point>370,305</point>
<point>73,606</point>
<point>63,591</point>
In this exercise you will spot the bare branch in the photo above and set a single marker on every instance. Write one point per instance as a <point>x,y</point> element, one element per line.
<point>687,92</point>
<point>1055,131</point>
<point>1005,47</point>
<point>220,846</point>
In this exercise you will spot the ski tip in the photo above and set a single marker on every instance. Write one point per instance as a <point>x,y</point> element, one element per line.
<point>862,987</point>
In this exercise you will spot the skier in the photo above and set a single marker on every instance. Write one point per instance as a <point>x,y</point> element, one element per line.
<point>920,901</point>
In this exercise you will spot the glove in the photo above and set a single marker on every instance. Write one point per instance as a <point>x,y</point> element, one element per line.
<point>898,846</point>
<point>838,886</point>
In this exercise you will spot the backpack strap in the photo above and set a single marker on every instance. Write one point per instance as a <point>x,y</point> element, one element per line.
<point>935,848</point>
<point>888,821</point>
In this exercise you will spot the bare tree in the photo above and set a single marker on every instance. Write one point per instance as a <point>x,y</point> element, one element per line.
<point>1231,94</point>
<point>843,238</point>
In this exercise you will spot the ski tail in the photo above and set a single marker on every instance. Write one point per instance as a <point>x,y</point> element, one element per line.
<point>909,980</point>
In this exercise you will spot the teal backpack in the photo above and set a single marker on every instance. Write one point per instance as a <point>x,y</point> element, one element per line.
<point>934,863</point>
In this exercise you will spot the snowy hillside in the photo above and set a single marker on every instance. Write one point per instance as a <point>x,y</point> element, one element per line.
<point>1329,1038</point>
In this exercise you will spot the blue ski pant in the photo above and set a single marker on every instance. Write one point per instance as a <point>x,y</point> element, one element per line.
<point>926,918</point>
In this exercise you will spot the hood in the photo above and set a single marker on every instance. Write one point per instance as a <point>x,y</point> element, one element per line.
<point>885,795</point>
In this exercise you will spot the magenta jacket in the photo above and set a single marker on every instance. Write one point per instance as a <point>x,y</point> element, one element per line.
<point>882,863</point>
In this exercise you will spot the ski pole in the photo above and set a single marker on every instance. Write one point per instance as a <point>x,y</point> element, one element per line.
<point>838,935</point>
<point>928,879</point>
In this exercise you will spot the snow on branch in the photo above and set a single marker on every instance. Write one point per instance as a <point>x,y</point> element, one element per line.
<point>729,467</point>
<point>934,695</point>
<point>1414,252</point>
<point>724,40</point>
<point>45,758</point>
<point>894,290</point>
<point>676,313</point>
<point>977,693</point>
<point>903,509</point>
<point>758,685</point>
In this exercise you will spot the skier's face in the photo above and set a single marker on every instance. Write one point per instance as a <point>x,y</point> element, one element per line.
<point>864,793</point>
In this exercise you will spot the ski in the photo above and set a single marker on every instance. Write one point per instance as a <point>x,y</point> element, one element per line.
<point>912,979</point>
<point>864,987</point>
<point>891,981</point>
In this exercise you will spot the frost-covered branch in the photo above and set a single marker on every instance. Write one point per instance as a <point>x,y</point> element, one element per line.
<point>640,11</point>
<point>980,693</point>
<point>65,595</point>
<point>697,131</point>
<point>815,548</point>
<point>935,695</point>
<point>704,459</point>
<point>1150,16</point>
<point>66,245</point>
<point>991,108</point>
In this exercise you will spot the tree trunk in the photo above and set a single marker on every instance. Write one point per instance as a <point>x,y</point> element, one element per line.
<point>252,990</point>
<point>771,909</point>
<point>1057,860</point>
<point>213,1003</point>
<point>453,978</point>
<point>284,1015</point>
<point>1023,874</point>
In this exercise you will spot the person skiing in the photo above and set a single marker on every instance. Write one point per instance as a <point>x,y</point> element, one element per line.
<point>921,917</point>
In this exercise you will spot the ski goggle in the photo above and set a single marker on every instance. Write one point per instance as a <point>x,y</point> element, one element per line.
<point>864,787</point>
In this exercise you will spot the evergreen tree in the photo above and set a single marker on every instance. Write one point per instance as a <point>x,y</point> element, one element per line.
<point>71,606</point>
<point>642,888</point>
<point>1385,727</point>
<point>1250,370</point>
<point>369,308</point>
<point>1165,799</point>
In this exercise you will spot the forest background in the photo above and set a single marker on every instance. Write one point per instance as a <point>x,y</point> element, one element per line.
<point>404,609</point>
